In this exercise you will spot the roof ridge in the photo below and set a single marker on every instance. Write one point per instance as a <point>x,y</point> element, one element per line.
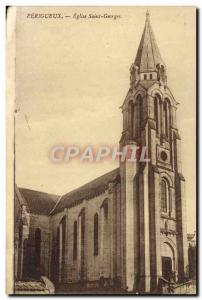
<point>57,202</point>
<point>36,191</point>
<point>97,179</point>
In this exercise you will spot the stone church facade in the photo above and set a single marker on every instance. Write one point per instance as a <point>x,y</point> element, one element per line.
<point>127,227</point>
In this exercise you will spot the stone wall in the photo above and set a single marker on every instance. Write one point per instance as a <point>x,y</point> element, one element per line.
<point>106,263</point>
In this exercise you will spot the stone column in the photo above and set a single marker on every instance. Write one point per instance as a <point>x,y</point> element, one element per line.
<point>157,224</point>
<point>181,229</point>
<point>144,283</point>
<point>129,224</point>
<point>155,250</point>
<point>174,121</point>
<point>117,233</point>
<point>172,202</point>
<point>136,234</point>
<point>180,213</point>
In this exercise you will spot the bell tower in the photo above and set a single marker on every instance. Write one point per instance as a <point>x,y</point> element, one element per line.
<point>153,216</point>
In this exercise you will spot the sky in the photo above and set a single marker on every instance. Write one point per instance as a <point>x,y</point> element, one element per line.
<point>72,76</point>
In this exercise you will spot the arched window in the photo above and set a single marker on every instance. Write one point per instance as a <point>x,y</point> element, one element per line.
<point>141,112</point>
<point>166,118</point>
<point>156,114</point>
<point>167,111</point>
<point>131,118</point>
<point>63,236</point>
<point>62,227</point>
<point>161,116</point>
<point>75,241</point>
<point>139,115</point>
<point>96,234</point>
<point>82,243</point>
<point>165,197</point>
<point>37,246</point>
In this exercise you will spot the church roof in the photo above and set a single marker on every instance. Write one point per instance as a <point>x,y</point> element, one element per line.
<point>39,203</point>
<point>148,55</point>
<point>87,191</point>
<point>19,196</point>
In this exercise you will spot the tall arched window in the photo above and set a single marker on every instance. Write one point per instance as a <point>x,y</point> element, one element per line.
<point>139,108</point>
<point>37,246</point>
<point>63,239</point>
<point>169,113</point>
<point>96,234</point>
<point>167,109</point>
<point>166,117</point>
<point>75,241</point>
<point>161,116</point>
<point>62,249</point>
<point>82,243</point>
<point>141,112</point>
<point>156,113</point>
<point>165,197</point>
<point>131,118</point>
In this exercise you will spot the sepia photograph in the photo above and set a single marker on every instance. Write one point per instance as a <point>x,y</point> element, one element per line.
<point>101,150</point>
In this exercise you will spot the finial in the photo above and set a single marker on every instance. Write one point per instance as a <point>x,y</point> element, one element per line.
<point>147,14</point>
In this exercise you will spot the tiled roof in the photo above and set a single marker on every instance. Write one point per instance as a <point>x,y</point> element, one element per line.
<point>86,191</point>
<point>38,202</point>
<point>19,196</point>
<point>148,55</point>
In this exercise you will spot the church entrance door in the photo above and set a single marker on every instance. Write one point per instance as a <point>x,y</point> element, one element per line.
<point>166,267</point>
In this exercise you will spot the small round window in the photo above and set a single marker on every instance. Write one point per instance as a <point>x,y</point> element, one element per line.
<point>164,156</point>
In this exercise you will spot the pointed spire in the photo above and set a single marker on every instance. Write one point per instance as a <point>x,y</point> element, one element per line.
<point>147,15</point>
<point>148,55</point>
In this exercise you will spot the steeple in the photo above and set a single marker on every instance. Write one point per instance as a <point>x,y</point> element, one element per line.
<point>152,192</point>
<point>148,54</point>
<point>148,64</point>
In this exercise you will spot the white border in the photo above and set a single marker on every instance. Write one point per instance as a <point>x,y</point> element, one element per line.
<point>4,3</point>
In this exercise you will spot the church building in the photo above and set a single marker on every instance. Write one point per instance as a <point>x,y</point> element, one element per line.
<point>128,227</point>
